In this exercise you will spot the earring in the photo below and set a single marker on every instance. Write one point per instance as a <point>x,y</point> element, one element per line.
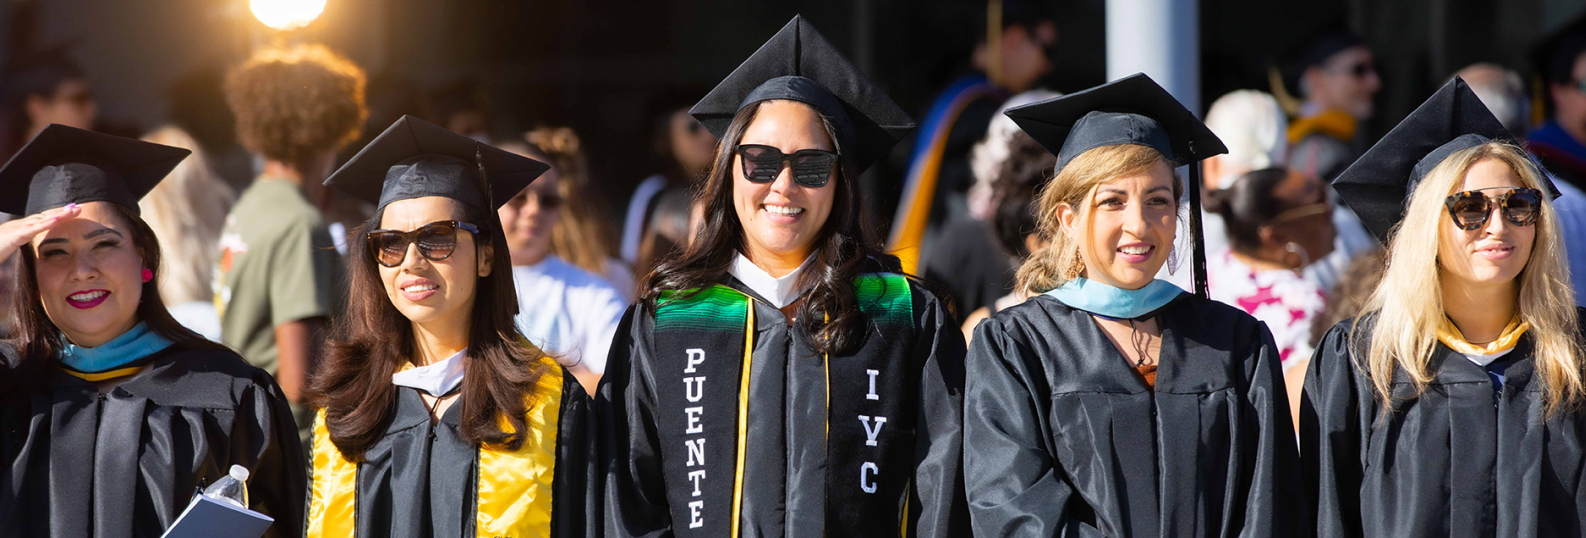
<point>1297,250</point>
<point>148,274</point>
<point>1075,268</point>
<point>1172,260</point>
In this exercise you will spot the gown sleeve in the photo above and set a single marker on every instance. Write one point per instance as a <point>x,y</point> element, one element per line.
<point>1276,500</point>
<point>1329,436</point>
<point>577,477</point>
<point>278,481</point>
<point>938,506</point>
<point>635,496</point>
<point>1012,479</point>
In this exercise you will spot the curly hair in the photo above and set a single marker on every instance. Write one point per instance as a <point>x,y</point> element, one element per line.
<point>293,103</point>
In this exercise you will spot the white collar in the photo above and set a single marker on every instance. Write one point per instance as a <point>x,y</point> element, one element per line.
<point>437,378</point>
<point>779,291</point>
<point>1484,360</point>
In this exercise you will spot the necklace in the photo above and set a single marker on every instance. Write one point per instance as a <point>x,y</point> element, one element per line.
<point>1141,341</point>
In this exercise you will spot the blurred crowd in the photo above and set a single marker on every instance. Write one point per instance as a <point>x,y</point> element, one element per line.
<point>1279,244</point>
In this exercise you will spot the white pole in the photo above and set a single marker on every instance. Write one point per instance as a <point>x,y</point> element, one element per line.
<point>1160,38</point>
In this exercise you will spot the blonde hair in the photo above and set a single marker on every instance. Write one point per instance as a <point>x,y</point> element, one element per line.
<point>1404,334</point>
<point>581,235</point>
<point>1049,266</point>
<point>186,212</point>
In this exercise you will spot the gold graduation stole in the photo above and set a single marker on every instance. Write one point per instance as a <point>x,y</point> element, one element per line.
<point>514,487</point>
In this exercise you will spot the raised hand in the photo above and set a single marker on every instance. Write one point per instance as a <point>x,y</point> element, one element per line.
<point>14,234</point>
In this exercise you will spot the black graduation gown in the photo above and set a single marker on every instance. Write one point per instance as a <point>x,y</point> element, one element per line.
<point>1460,460</point>
<point>866,444</point>
<point>1063,438</point>
<point>422,479</point>
<point>126,463</point>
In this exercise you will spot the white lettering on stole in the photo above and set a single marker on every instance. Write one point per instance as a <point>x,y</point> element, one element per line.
<point>866,480</point>
<point>695,356</point>
<point>871,434</point>
<point>695,520</point>
<point>696,452</point>
<point>872,395</point>
<point>693,419</point>
<point>694,391</point>
<point>695,477</point>
<point>694,388</point>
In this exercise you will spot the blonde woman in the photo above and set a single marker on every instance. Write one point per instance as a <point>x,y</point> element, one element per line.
<point>187,211</point>
<point>582,234</point>
<point>1112,403</point>
<point>1450,407</point>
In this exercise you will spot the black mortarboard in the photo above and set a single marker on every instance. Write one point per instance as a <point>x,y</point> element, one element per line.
<point>800,65</point>
<point>414,158</point>
<point>1131,110</point>
<point>1378,185</point>
<point>66,165</point>
<point>1553,56</point>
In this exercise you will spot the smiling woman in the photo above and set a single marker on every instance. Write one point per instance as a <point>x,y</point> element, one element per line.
<point>1083,405</point>
<point>1468,358</point>
<point>833,381</point>
<point>99,369</point>
<point>428,385</point>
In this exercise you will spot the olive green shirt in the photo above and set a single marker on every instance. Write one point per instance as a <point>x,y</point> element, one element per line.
<point>277,265</point>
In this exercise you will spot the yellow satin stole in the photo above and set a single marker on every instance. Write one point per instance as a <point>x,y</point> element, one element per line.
<point>515,487</point>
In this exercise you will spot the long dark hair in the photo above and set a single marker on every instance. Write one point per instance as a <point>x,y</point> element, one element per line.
<point>844,248</point>
<point>38,341</point>
<point>373,339</point>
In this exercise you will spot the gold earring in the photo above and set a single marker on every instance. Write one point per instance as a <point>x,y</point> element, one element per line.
<point>1075,268</point>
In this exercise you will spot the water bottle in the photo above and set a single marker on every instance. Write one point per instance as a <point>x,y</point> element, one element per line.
<point>232,488</point>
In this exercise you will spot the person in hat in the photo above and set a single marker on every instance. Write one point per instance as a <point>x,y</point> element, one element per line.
<point>781,378</point>
<point>437,418</point>
<point>1450,405</point>
<point>1113,403</point>
<point>111,413</point>
<point>1329,79</point>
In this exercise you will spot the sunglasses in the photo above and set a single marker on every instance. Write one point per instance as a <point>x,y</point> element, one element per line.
<point>811,167</point>
<point>435,241</point>
<point>1359,70</point>
<point>547,200</point>
<point>1471,209</point>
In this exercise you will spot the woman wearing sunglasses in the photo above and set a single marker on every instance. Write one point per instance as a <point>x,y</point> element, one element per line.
<point>1113,404</point>
<point>111,413</point>
<point>438,418</point>
<point>1451,406</point>
<point>777,379</point>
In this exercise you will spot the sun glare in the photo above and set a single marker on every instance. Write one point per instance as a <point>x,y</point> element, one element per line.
<point>286,14</point>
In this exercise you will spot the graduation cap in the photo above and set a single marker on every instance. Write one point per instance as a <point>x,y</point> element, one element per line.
<point>1378,185</point>
<point>66,165</point>
<point>414,158</point>
<point>800,65</point>
<point>1131,110</point>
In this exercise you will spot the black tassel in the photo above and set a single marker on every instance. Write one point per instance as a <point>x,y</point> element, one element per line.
<point>484,181</point>
<point>1198,259</point>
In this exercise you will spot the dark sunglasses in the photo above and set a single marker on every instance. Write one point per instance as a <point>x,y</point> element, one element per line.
<point>811,167</point>
<point>435,241</point>
<point>547,200</point>
<point>1471,209</point>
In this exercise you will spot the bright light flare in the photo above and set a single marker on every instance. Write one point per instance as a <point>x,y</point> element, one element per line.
<point>286,14</point>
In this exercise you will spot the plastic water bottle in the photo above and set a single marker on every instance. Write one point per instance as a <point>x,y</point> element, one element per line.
<point>232,488</point>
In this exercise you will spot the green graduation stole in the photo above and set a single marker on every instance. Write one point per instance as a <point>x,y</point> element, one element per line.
<point>704,341</point>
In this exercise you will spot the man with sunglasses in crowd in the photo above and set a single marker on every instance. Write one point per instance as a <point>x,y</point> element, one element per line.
<point>1333,74</point>
<point>569,313</point>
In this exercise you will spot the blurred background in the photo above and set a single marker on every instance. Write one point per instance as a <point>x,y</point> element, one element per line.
<point>604,67</point>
